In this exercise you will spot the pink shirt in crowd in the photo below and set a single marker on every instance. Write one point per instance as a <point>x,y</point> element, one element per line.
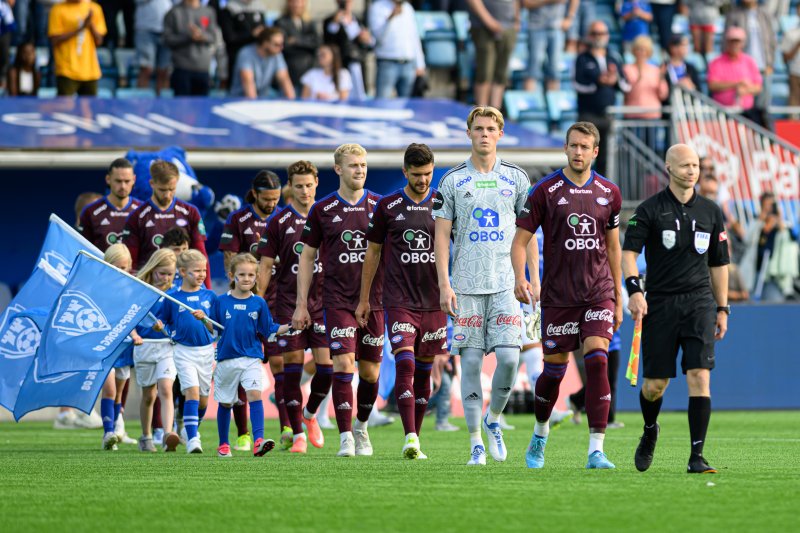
<point>649,91</point>
<point>725,68</point>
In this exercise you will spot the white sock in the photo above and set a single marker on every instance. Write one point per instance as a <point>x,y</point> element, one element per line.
<point>307,415</point>
<point>475,439</point>
<point>410,436</point>
<point>345,435</point>
<point>305,378</point>
<point>358,424</point>
<point>596,442</point>
<point>541,429</point>
<point>493,417</point>
<point>298,436</point>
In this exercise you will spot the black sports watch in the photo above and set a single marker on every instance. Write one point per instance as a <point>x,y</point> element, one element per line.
<point>724,308</point>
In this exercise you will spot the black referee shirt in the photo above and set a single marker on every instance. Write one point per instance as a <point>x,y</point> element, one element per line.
<point>681,241</point>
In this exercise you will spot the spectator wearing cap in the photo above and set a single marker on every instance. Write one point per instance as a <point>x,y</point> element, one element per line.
<point>734,78</point>
<point>761,41</point>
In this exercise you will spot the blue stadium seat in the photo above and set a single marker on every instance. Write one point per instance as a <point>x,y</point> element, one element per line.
<point>788,22</point>
<point>105,92</point>
<point>271,16</point>
<point>780,90</point>
<point>124,93</point>
<point>562,107</point>
<point>697,61</point>
<point>47,92</point>
<point>438,35</point>
<point>166,93</point>
<point>529,109</point>
<point>461,25</point>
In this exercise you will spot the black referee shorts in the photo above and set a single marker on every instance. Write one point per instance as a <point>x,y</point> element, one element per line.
<point>686,321</point>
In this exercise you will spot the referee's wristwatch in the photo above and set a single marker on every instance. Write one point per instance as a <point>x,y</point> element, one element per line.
<point>724,309</point>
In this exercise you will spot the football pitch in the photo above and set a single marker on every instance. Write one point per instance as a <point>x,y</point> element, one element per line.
<point>61,481</point>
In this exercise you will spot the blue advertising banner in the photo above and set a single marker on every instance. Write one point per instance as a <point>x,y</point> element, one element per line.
<point>232,124</point>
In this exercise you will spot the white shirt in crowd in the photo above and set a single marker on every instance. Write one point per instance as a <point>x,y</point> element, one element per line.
<point>322,84</point>
<point>396,39</point>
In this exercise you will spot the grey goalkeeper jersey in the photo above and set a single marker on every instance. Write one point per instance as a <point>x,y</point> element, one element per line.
<point>483,208</point>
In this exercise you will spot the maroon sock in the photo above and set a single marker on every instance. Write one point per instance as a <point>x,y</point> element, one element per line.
<point>283,416</point>
<point>125,394</point>
<point>157,423</point>
<point>366,395</point>
<point>320,386</point>
<point>598,391</point>
<point>343,400</point>
<point>293,396</point>
<point>404,390</point>
<point>547,390</point>
<point>422,391</point>
<point>240,412</point>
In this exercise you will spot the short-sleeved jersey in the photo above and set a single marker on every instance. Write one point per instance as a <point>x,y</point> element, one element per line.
<point>146,226</point>
<point>483,208</point>
<point>76,58</point>
<point>680,242</point>
<point>187,330</point>
<point>282,239</point>
<point>243,319</point>
<point>339,230</point>
<point>574,221</point>
<point>405,229</point>
<point>102,223</point>
<point>145,327</point>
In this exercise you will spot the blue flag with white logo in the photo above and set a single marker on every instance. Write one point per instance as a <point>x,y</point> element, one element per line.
<point>97,308</point>
<point>19,336</point>
<point>67,389</point>
<point>62,244</point>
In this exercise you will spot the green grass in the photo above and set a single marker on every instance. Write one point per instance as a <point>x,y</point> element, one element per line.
<point>61,481</point>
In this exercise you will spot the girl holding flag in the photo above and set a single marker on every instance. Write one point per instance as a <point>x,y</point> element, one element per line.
<point>194,348</point>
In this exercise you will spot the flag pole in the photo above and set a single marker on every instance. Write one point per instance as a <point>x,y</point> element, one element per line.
<point>154,289</point>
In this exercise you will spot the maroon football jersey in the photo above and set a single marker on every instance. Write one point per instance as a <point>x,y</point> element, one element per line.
<point>339,230</point>
<point>102,223</point>
<point>282,239</point>
<point>145,228</point>
<point>406,228</point>
<point>574,221</point>
<point>242,231</point>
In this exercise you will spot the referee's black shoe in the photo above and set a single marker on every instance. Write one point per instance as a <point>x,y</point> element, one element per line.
<point>647,445</point>
<point>698,465</point>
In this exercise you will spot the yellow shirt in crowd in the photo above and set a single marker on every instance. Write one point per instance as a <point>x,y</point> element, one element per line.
<point>76,58</point>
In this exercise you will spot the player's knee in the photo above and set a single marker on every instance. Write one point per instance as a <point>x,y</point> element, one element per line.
<point>653,390</point>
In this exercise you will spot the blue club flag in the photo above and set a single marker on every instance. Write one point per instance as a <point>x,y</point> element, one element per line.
<point>62,244</point>
<point>67,389</point>
<point>19,336</point>
<point>97,308</point>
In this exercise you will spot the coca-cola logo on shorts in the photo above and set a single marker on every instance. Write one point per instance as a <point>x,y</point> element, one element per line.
<point>437,335</point>
<point>369,340</point>
<point>509,320</point>
<point>474,321</point>
<point>568,328</point>
<point>602,314</point>
<point>403,326</point>
<point>343,332</point>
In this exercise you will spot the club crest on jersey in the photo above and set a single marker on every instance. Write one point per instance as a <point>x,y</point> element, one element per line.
<point>550,344</point>
<point>396,339</point>
<point>336,345</point>
<point>459,337</point>
<point>668,238</point>
<point>19,337</point>
<point>76,314</point>
<point>602,200</point>
<point>701,241</point>
<point>507,193</point>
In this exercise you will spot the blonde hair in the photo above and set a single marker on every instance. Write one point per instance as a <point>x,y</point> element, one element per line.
<point>163,171</point>
<point>643,41</point>
<point>347,149</point>
<point>485,111</point>
<point>237,260</point>
<point>117,252</point>
<point>162,257</point>
<point>189,257</point>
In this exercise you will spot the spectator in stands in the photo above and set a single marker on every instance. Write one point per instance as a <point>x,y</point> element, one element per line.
<point>301,39</point>
<point>22,13</point>
<point>703,15</point>
<point>598,77</point>
<point>42,21</point>
<point>23,77</point>
<point>354,40</point>
<point>328,81</point>
<point>733,77</point>
<point>111,11</point>
<point>679,72</point>
<point>260,65</point>
<point>546,33</point>
<point>790,47</point>
<point>648,82</point>
<point>579,16</point>
<point>663,13</point>
<point>761,41</point>
<point>398,49</point>
<point>193,35</point>
<point>737,288</point>
<point>636,17</point>
<point>151,51</point>
<point>241,21</point>
<point>494,31</point>
<point>707,185</point>
<point>7,28</point>
<point>778,8</point>
<point>76,30</point>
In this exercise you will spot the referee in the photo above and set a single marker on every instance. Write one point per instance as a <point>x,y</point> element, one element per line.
<point>686,305</point>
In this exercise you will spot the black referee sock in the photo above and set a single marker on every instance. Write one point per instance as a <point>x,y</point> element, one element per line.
<point>650,410</point>
<point>699,416</point>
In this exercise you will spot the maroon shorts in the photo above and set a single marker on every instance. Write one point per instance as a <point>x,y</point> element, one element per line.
<point>565,328</point>
<point>312,337</point>
<point>425,331</point>
<point>344,335</point>
<point>271,349</point>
